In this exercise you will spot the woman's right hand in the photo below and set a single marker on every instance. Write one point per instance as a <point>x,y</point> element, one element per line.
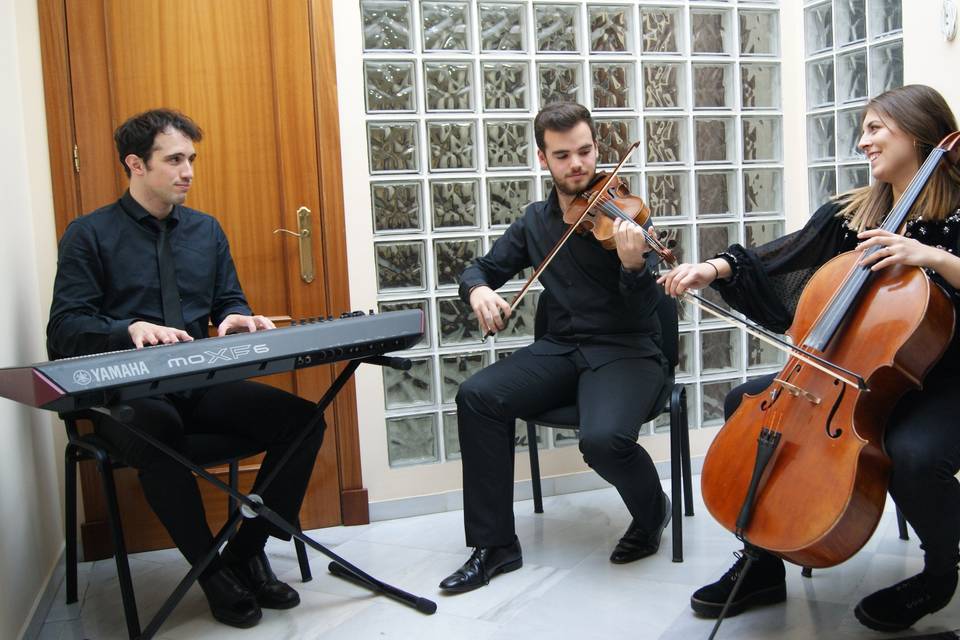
<point>491,310</point>
<point>688,276</point>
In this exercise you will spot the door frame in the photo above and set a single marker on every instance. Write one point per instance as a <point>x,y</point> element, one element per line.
<point>66,163</point>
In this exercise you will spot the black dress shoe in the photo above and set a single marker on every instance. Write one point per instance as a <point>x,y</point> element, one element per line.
<point>230,601</point>
<point>639,541</point>
<point>763,584</point>
<point>484,564</point>
<point>257,575</point>
<point>898,607</point>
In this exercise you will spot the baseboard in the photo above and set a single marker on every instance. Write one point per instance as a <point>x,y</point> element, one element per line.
<point>522,490</point>
<point>33,627</point>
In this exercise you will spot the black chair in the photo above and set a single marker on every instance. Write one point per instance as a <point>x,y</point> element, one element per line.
<point>672,400</point>
<point>207,450</point>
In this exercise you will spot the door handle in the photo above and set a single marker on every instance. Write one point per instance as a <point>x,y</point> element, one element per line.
<point>306,248</point>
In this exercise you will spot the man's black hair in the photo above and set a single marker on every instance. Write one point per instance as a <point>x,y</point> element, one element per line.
<point>137,134</point>
<point>561,116</point>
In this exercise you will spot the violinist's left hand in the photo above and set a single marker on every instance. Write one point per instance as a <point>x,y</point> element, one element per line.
<point>631,244</point>
<point>896,249</point>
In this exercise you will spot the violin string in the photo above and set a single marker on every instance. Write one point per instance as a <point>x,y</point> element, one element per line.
<point>607,206</point>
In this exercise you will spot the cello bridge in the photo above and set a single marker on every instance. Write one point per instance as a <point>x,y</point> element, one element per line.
<point>794,390</point>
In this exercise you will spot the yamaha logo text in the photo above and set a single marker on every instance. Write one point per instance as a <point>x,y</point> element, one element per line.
<point>227,354</point>
<point>110,373</point>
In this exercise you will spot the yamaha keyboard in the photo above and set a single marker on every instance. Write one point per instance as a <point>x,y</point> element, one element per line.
<point>107,379</point>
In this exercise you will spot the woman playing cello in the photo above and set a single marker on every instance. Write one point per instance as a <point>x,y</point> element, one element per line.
<point>922,438</point>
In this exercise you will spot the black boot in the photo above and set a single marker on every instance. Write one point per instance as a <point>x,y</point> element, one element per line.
<point>484,564</point>
<point>641,541</point>
<point>230,601</point>
<point>898,607</point>
<point>763,584</point>
<point>256,574</point>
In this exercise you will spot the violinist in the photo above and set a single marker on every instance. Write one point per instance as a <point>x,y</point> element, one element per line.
<point>922,437</point>
<point>601,347</point>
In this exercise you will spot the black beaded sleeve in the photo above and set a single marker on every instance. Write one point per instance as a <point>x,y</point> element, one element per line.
<point>767,280</point>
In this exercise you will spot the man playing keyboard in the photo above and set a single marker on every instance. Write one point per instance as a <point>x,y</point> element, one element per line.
<point>146,270</point>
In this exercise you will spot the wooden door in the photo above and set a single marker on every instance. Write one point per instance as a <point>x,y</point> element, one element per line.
<point>258,77</point>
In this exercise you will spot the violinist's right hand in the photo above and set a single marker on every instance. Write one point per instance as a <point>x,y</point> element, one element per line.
<point>488,307</point>
<point>692,276</point>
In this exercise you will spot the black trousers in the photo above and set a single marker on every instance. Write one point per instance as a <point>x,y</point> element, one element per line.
<point>613,401</point>
<point>922,438</point>
<point>254,413</point>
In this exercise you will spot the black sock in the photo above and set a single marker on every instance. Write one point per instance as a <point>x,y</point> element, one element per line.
<point>248,542</point>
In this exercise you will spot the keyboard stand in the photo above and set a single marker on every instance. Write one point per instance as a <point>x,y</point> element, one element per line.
<point>250,506</point>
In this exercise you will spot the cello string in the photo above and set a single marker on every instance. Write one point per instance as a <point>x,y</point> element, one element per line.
<point>855,280</point>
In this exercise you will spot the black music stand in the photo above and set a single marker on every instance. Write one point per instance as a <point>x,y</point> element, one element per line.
<point>250,506</point>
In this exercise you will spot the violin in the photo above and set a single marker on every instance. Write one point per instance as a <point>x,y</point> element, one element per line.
<point>613,201</point>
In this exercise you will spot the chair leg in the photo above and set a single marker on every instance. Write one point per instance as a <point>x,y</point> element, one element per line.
<point>120,551</point>
<point>305,574</point>
<point>685,452</point>
<point>70,521</point>
<point>676,480</point>
<point>534,467</point>
<point>902,525</point>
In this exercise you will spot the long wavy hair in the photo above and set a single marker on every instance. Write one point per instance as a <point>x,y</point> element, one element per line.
<point>923,114</point>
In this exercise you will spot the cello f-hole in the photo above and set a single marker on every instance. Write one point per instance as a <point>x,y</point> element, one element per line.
<point>833,411</point>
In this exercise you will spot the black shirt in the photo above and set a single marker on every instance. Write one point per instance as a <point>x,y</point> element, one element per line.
<point>108,277</point>
<point>593,303</point>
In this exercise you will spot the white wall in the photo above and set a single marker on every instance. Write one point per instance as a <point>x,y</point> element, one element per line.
<point>927,57</point>
<point>30,474</point>
<point>796,207</point>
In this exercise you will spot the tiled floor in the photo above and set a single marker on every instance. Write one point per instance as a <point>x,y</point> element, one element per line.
<point>567,588</point>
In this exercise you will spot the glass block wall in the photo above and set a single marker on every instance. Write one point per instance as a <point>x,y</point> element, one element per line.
<point>451,91</point>
<point>854,50</point>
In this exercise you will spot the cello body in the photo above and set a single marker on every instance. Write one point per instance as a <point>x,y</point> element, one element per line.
<point>822,493</point>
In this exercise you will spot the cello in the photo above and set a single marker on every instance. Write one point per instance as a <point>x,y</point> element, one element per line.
<point>815,490</point>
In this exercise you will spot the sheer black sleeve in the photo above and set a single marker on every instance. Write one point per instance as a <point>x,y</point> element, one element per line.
<point>767,280</point>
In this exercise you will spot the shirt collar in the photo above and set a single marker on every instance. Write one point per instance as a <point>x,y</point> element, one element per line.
<point>136,211</point>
